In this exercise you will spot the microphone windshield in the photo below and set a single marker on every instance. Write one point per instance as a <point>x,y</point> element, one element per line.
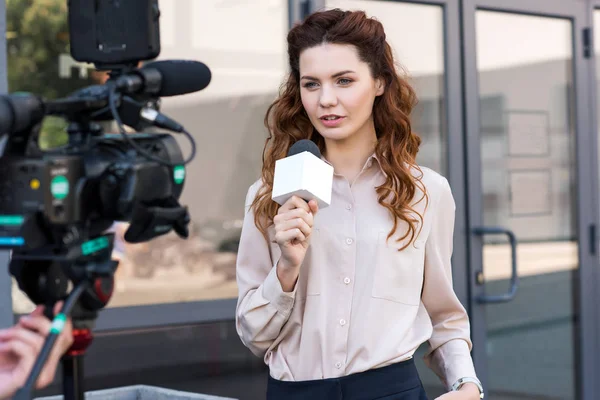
<point>304,145</point>
<point>180,76</point>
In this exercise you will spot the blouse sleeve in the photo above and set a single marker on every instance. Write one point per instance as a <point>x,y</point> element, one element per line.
<point>450,343</point>
<point>263,307</point>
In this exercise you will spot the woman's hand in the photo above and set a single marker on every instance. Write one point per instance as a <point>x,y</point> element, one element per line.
<point>21,344</point>
<point>293,227</point>
<point>468,391</point>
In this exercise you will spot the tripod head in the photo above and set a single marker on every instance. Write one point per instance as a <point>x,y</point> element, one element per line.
<point>45,277</point>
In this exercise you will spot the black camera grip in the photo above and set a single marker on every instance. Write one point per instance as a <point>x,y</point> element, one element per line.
<point>150,221</point>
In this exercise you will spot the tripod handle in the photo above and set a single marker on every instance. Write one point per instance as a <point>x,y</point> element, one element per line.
<point>58,324</point>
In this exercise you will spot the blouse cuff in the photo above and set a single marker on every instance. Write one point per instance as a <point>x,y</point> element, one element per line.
<point>273,292</point>
<point>454,361</point>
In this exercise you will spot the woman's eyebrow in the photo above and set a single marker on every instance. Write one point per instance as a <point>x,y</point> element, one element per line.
<point>333,76</point>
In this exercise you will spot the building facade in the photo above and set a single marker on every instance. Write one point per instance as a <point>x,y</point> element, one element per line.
<point>507,112</point>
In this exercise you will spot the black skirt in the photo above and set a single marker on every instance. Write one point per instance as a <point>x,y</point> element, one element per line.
<point>395,382</point>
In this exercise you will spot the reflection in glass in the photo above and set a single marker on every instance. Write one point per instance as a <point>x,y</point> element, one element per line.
<point>226,120</point>
<point>38,65</point>
<point>528,175</point>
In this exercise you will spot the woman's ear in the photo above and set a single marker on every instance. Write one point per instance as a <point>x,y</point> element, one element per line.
<point>380,86</point>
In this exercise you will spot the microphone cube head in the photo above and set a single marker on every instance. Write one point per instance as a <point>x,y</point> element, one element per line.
<point>305,176</point>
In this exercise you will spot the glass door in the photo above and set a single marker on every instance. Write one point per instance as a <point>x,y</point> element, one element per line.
<point>532,245</point>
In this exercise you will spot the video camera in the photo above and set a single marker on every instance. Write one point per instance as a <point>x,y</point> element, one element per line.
<point>56,205</point>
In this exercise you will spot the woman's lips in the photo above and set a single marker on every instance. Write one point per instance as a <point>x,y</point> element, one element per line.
<point>331,123</point>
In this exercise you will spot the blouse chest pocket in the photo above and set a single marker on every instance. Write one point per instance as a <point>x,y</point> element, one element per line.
<point>398,275</point>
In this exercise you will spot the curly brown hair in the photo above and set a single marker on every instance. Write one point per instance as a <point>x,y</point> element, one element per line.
<point>397,145</point>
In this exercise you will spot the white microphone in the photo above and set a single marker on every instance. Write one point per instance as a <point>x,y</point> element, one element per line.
<point>302,173</point>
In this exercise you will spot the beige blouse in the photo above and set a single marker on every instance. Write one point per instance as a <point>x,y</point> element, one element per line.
<point>358,303</point>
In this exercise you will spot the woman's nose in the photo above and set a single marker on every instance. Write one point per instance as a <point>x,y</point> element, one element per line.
<point>328,97</point>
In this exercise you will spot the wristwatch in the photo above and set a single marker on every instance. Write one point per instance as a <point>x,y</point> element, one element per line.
<point>458,384</point>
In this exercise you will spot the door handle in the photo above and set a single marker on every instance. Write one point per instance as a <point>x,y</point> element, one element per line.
<point>514,279</point>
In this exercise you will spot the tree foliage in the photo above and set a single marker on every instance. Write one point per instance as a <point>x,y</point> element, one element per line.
<point>37,34</point>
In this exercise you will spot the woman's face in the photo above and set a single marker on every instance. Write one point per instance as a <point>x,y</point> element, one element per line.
<point>338,91</point>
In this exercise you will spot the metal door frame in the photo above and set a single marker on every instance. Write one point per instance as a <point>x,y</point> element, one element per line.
<point>586,346</point>
<point>594,274</point>
<point>6,311</point>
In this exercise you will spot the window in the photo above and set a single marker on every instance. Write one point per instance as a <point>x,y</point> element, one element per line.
<point>243,43</point>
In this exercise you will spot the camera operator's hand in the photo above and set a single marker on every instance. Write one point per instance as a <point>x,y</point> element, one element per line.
<point>20,346</point>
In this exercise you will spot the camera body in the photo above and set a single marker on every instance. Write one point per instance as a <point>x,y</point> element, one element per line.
<point>98,183</point>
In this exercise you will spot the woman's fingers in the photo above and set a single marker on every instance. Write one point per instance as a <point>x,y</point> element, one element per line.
<point>22,350</point>
<point>296,223</point>
<point>42,325</point>
<point>58,307</point>
<point>23,357</point>
<point>295,213</point>
<point>283,237</point>
<point>25,340</point>
<point>294,202</point>
<point>297,218</point>
<point>66,336</point>
<point>39,310</point>
<point>21,334</point>
<point>37,323</point>
<point>314,206</point>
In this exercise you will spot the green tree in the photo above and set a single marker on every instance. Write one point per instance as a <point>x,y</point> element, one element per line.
<point>37,34</point>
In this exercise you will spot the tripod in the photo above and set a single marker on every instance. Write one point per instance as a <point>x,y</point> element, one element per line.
<point>45,280</point>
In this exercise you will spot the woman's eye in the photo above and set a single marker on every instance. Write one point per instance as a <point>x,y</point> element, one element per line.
<point>345,81</point>
<point>310,85</point>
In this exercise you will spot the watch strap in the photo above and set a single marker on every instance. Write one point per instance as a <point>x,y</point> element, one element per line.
<point>458,384</point>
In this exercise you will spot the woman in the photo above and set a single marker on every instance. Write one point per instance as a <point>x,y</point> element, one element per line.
<point>337,301</point>
<point>20,346</point>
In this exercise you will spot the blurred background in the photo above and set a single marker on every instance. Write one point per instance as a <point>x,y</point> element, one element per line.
<point>507,111</point>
